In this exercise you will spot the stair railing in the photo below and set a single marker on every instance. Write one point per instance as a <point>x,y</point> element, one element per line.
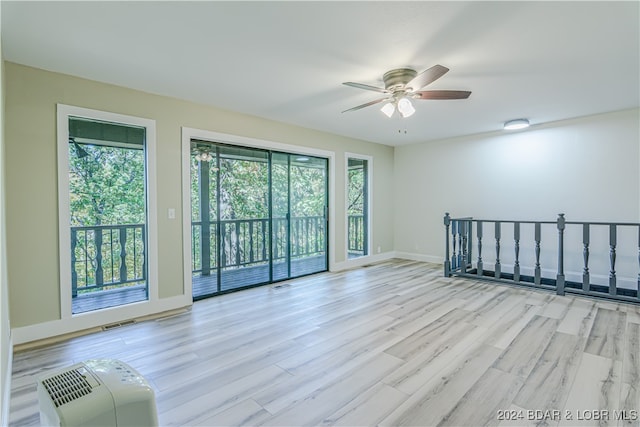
<point>463,235</point>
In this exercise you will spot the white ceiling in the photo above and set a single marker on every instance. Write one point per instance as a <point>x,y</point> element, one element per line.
<point>286,61</point>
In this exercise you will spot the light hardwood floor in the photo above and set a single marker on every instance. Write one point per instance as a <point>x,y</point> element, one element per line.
<point>390,344</point>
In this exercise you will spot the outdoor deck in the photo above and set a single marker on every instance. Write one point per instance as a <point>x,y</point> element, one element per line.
<point>108,298</point>
<point>232,278</point>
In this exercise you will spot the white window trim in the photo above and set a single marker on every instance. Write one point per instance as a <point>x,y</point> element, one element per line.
<point>369,194</point>
<point>112,314</point>
<point>190,133</point>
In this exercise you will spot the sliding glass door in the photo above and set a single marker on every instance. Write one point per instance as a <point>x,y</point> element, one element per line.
<point>281,207</point>
<point>308,219</point>
<point>243,203</point>
<point>299,201</point>
<point>257,216</point>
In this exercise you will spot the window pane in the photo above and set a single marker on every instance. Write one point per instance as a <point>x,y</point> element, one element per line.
<point>357,208</point>
<point>107,204</point>
<point>308,220</point>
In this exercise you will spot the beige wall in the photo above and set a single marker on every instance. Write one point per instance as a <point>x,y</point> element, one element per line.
<point>5,330</point>
<point>32,212</point>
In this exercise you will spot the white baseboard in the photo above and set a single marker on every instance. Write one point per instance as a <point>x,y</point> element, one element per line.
<point>6,387</point>
<point>359,262</point>
<point>420,257</point>
<point>96,319</point>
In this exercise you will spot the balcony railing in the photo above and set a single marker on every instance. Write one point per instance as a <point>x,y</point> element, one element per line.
<point>246,241</point>
<point>107,256</point>
<point>597,259</point>
<point>110,256</point>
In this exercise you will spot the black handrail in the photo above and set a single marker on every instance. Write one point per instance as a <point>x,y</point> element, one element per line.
<point>107,256</point>
<point>460,241</point>
<point>245,241</point>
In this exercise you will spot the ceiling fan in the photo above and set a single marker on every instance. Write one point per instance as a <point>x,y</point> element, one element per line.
<point>403,84</point>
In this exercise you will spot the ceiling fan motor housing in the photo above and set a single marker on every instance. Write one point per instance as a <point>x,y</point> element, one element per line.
<point>395,80</point>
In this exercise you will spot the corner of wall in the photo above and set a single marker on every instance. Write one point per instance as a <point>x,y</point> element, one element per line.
<point>420,257</point>
<point>362,261</point>
<point>6,346</point>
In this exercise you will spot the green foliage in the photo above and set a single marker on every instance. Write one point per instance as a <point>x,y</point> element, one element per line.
<point>244,189</point>
<point>242,179</point>
<point>356,192</point>
<point>308,188</point>
<point>106,187</point>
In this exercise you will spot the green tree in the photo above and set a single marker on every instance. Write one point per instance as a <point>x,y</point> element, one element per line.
<point>106,188</point>
<point>356,191</point>
<point>106,185</point>
<point>243,182</point>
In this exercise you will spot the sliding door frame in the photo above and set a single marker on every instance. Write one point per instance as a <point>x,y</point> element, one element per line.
<point>228,139</point>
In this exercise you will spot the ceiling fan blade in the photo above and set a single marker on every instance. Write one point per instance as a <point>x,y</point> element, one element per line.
<point>366,87</point>
<point>377,101</point>
<point>426,77</point>
<point>442,94</point>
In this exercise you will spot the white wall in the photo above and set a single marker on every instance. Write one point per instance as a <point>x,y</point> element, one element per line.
<point>5,330</point>
<point>587,168</point>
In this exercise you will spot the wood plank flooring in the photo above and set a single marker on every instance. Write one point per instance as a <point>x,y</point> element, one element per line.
<point>392,344</point>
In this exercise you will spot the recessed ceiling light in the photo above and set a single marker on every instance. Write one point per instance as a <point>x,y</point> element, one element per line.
<point>516,124</point>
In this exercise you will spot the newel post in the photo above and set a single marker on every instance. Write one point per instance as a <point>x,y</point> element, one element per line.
<point>447,261</point>
<point>613,239</point>
<point>560,276</point>
<point>464,229</point>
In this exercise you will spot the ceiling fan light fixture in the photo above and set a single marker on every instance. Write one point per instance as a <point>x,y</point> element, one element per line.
<point>516,124</point>
<point>405,107</point>
<point>204,156</point>
<point>388,109</point>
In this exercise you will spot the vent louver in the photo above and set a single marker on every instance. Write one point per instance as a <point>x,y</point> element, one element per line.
<point>67,386</point>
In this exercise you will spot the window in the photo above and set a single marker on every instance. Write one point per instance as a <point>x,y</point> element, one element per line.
<point>105,233</point>
<point>358,216</point>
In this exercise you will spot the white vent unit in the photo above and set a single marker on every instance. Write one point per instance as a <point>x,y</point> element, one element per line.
<point>103,392</point>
